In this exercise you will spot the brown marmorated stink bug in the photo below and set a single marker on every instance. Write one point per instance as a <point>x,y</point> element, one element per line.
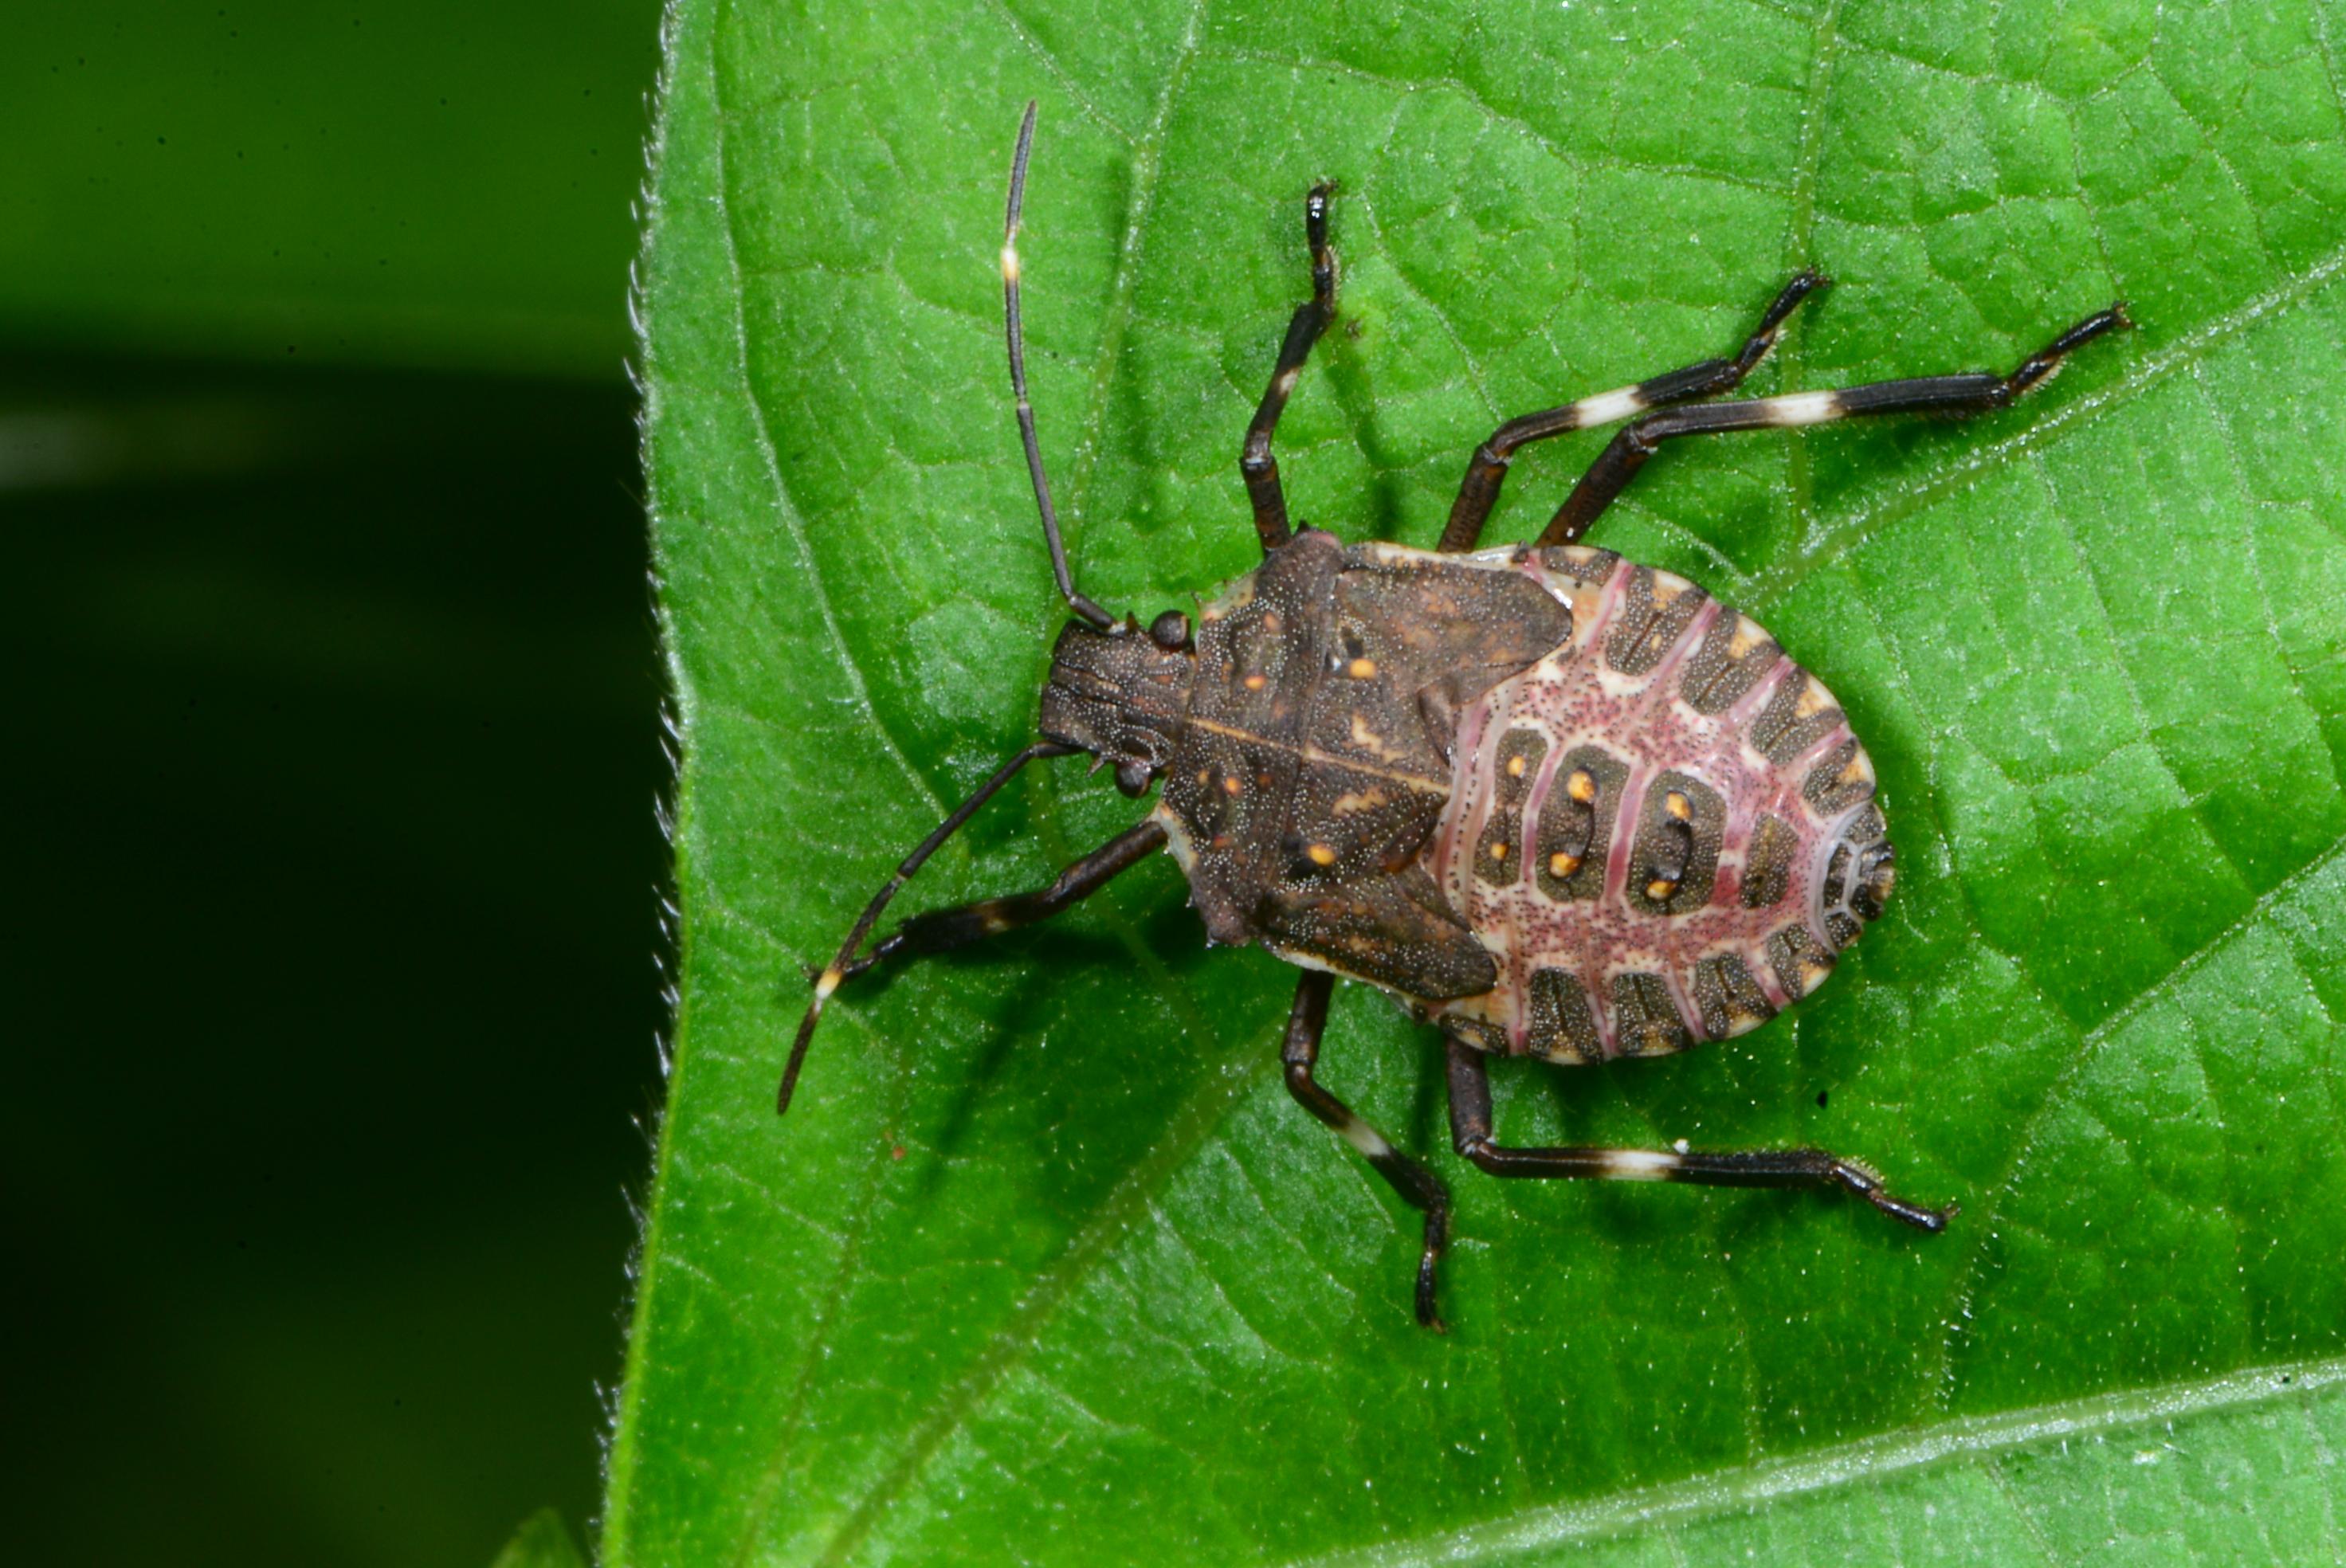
<point>1555,803</point>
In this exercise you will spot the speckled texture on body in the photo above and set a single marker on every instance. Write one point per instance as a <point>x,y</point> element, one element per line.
<point>1558,803</point>
<point>1730,849</point>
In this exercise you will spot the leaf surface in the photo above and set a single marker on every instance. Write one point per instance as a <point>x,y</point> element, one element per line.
<point>1045,1265</point>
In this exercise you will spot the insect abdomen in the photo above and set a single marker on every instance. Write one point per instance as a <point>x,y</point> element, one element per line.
<point>1664,830</point>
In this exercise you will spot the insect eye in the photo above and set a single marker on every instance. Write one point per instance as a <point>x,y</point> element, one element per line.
<point>1132,778</point>
<point>1170,630</point>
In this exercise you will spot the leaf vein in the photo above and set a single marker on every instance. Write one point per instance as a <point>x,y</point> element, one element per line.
<point>1868,1461</point>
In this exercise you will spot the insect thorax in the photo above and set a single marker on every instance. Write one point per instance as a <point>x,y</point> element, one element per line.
<point>1316,761</point>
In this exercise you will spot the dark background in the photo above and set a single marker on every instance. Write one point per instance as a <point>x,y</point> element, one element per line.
<point>330,987</point>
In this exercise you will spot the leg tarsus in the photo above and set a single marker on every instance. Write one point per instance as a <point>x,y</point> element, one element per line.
<point>1437,1242</point>
<point>1866,1183</point>
<point>1419,1187</point>
<point>2046,360</point>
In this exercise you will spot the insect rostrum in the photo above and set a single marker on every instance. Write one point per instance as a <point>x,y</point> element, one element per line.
<point>1555,803</point>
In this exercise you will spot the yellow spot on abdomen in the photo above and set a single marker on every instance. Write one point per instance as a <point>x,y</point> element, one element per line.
<point>1362,669</point>
<point>1561,866</point>
<point>1321,855</point>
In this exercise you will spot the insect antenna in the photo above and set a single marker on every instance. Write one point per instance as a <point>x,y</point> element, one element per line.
<point>1076,602</point>
<point>847,963</point>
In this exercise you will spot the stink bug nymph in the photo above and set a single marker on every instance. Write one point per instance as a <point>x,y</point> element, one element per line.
<point>1555,803</point>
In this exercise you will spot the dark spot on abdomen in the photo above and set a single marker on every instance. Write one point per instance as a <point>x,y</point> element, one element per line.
<point>1563,1024</point>
<point>1646,1022</point>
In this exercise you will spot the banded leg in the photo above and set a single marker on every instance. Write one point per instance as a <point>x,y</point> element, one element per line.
<point>1488,469</point>
<point>1470,1131</point>
<point>1256,464</point>
<point>1961,396</point>
<point>941,930</point>
<point>1418,1187</point>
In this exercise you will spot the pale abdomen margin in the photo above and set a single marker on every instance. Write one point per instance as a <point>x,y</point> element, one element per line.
<point>1664,830</point>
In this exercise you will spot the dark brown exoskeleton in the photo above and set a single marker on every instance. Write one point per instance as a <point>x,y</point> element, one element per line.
<point>1555,803</point>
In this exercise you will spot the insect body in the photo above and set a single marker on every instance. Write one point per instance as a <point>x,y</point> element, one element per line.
<point>1562,805</point>
<point>1556,803</point>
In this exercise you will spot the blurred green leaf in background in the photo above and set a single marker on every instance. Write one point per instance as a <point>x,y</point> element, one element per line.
<point>426,184</point>
<point>1044,1267</point>
<point>330,990</point>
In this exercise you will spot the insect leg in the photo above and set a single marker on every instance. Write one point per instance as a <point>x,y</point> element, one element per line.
<point>1256,464</point>
<point>1488,469</point>
<point>1961,396</point>
<point>1470,1132</point>
<point>941,930</point>
<point>1418,1187</point>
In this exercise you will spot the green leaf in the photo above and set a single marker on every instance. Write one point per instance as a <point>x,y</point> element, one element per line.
<point>1045,1265</point>
<point>376,181</point>
<point>541,1541</point>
